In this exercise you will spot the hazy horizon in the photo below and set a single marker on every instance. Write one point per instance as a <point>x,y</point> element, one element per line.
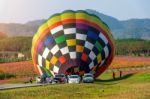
<point>22,11</point>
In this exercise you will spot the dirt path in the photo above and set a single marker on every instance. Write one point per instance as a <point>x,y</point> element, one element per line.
<point>14,86</point>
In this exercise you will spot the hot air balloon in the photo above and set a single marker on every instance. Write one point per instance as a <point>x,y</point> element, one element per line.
<point>72,42</point>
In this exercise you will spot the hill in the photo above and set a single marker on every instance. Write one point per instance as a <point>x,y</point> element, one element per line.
<point>132,28</point>
<point>112,22</point>
<point>16,29</point>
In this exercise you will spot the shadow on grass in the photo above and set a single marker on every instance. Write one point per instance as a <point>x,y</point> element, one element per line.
<point>113,80</point>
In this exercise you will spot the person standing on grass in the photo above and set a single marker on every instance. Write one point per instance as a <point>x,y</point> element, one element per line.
<point>113,75</point>
<point>120,73</point>
<point>31,80</point>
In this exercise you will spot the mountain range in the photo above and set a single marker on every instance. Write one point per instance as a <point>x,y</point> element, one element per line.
<point>132,28</point>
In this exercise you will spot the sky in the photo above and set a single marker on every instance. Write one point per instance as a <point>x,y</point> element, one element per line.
<point>22,11</point>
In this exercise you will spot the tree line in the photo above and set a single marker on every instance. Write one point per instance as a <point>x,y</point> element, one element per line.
<point>134,47</point>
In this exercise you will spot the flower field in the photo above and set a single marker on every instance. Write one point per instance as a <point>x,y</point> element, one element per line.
<point>25,68</point>
<point>129,61</point>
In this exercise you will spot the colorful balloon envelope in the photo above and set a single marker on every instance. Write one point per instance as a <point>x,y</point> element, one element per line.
<point>72,42</point>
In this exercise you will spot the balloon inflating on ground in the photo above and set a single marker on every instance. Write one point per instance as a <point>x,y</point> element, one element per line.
<point>72,42</point>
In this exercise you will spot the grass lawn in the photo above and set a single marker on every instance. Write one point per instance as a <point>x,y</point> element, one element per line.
<point>131,86</point>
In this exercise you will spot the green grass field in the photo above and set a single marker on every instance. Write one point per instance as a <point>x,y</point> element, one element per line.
<point>131,86</point>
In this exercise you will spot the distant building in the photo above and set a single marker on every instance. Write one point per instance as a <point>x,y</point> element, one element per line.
<point>21,55</point>
<point>10,54</point>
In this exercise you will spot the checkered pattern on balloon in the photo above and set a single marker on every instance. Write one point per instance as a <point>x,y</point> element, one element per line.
<point>72,39</point>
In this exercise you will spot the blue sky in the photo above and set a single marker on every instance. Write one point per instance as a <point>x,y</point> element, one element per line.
<point>21,11</point>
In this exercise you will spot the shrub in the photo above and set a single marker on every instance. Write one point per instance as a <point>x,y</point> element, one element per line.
<point>6,76</point>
